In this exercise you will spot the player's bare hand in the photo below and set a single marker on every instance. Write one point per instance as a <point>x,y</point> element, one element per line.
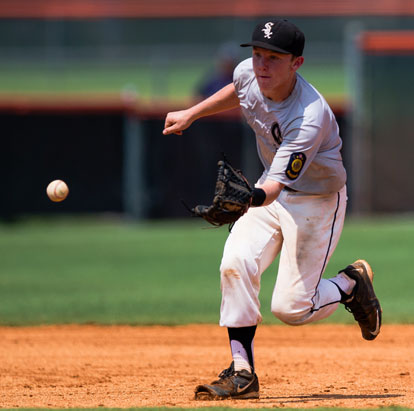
<point>176,122</point>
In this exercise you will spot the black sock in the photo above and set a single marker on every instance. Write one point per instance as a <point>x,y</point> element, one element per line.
<point>244,335</point>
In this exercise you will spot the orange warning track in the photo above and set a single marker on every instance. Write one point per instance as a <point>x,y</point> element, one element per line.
<point>189,8</point>
<point>388,42</point>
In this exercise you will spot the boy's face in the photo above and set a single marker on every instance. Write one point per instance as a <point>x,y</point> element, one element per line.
<point>273,69</point>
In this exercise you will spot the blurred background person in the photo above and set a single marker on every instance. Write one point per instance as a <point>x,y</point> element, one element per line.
<point>227,59</point>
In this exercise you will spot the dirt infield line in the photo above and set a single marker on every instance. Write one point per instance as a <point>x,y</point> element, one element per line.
<point>122,366</point>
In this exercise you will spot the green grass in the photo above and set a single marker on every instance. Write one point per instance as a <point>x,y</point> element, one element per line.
<point>84,271</point>
<point>76,271</point>
<point>145,81</point>
<point>329,80</point>
<point>174,82</point>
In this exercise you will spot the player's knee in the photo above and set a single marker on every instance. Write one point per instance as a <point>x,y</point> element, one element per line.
<point>235,267</point>
<point>290,311</point>
<point>235,274</point>
<point>229,273</point>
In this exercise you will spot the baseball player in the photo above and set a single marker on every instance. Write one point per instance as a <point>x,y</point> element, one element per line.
<point>297,208</point>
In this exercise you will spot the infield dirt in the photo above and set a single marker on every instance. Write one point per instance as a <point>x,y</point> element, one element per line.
<point>125,366</point>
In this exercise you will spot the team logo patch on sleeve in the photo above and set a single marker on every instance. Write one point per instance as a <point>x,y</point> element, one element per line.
<point>296,163</point>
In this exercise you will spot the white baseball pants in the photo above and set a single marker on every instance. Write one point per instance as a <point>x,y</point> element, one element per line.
<point>305,230</point>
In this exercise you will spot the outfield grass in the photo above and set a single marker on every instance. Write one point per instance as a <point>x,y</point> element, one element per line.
<point>76,270</point>
<point>174,83</point>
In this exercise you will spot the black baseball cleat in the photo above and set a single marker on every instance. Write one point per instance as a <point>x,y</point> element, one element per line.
<point>362,302</point>
<point>231,385</point>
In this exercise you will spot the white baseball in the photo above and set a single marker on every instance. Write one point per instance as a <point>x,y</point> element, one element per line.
<point>57,190</point>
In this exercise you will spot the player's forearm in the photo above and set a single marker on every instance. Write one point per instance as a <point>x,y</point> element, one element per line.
<point>224,99</point>
<point>271,190</point>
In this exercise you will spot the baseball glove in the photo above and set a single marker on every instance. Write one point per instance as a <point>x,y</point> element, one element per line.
<point>232,197</point>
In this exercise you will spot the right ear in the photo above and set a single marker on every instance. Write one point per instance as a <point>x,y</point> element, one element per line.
<point>298,62</point>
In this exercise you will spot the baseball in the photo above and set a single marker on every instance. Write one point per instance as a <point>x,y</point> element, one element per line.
<point>57,190</point>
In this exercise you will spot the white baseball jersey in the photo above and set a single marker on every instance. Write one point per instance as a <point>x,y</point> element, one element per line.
<point>297,139</point>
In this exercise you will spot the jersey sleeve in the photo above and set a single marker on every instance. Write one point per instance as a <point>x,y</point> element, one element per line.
<point>242,76</point>
<point>301,143</point>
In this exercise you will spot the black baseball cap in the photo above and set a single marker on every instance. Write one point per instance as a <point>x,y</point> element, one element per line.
<point>278,35</point>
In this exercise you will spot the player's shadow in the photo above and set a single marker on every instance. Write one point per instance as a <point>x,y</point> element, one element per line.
<point>325,397</point>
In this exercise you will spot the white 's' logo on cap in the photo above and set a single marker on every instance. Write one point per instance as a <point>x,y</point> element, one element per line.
<point>268,30</point>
